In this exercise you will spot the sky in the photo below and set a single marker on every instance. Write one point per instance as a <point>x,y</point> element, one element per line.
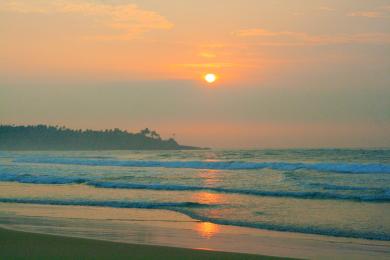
<point>290,73</point>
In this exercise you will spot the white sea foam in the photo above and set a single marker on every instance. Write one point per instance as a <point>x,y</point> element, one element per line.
<point>218,165</point>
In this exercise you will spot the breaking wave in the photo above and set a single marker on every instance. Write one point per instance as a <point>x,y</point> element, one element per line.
<point>218,165</point>
<point>106,203</point>
<point>378,196</point>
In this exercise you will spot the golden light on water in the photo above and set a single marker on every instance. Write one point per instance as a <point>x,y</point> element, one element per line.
<point>207,229</point>
<point>208,198</point>
<point>210,78</point>
<point>210,177</point>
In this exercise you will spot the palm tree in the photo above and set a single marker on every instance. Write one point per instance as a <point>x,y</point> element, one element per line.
<point>155,135</point>
<point>145,132</point>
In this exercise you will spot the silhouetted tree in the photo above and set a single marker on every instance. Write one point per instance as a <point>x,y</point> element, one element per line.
<point>43,137</point>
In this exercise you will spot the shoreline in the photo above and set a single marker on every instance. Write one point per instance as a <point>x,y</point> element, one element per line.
<point>164,228</point>
<point>21,244</point>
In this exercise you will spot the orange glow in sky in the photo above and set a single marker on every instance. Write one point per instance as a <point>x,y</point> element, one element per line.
<point>277,80</point>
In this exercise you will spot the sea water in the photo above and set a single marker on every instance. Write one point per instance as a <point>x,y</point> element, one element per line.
<point>336,192</point>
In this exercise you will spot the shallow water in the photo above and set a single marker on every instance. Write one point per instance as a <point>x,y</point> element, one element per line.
<point>331,192</point>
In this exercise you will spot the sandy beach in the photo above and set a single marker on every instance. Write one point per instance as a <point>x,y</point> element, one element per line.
<point>152,233</point>
<point>17,245</point>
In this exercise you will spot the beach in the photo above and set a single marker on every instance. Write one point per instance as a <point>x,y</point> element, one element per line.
<point>140,228</point>
<point>17,245</point>
<point>311,204</point>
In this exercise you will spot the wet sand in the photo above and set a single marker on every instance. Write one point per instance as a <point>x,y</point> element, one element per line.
<point>133,227</point>
<point>17,244</point>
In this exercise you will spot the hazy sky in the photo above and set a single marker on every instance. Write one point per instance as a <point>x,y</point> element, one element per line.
<point>291,73</point>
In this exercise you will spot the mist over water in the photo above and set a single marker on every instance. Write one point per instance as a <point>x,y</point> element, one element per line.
<point>335,192</point>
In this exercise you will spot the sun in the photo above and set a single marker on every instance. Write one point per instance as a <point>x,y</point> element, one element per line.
<point>210,78</point>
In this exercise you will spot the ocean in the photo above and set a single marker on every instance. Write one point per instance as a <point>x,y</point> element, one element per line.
<point>334,192</point>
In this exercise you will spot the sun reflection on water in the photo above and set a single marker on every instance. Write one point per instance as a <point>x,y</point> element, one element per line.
<point>210,177</point>
<point>208,198</point>
<point>207,229</point>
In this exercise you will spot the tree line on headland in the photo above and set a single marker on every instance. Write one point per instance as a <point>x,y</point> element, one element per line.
<point>44,137</point>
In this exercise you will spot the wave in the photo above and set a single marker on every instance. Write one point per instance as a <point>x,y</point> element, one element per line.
<point>327,186</point>
<point>27,178</point>
<point>108,203</point>
<point>379,196</point>
<point>218,165</point>
<point>291,228</point>
<point>383,197</point>
<point>188,208</point>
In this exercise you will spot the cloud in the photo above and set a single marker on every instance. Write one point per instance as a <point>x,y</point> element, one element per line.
<point>214,45</point>
<point>126,21</point>
<point>263,32</point>
<point>208,55</point>
<point>208,65</point>
<point>288,38</point>
<point>24,7</point>
<point>369,14</point>
<point>381,12</point>
<point>326,9</point>
<point>359,38</point>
